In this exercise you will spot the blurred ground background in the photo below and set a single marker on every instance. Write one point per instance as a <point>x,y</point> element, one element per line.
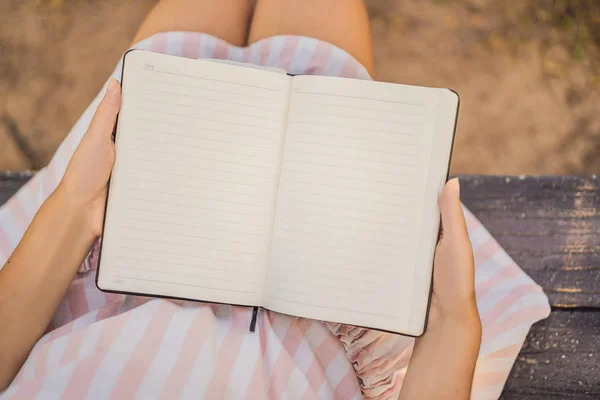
<point>528,73</point>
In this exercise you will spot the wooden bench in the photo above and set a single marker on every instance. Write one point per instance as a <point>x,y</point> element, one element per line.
<point>551,228</point>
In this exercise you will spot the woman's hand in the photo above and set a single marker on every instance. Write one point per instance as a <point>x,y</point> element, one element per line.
<point>36,276</point>
<point>85,181</point>
<point>443,359</point>
<point>453,299</point>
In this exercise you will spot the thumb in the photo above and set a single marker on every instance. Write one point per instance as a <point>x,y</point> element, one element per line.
<point>453,218</point>
<point>104,120</point>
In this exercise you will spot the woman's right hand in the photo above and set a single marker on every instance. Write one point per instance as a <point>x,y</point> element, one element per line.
<point>84,185</point>
<point>443,360</point>
<point>453,300</point>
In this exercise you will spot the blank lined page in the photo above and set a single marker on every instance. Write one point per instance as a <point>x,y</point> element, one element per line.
<point>193,189</point>
<point>350,206</point>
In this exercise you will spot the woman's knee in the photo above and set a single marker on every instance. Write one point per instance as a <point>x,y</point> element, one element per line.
<point>226,19</point>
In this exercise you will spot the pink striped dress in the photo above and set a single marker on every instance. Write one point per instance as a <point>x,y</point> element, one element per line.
<point>104,346</point>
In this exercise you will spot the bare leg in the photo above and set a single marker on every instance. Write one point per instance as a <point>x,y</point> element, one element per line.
<point>344,23</point>
<point>225,19</point>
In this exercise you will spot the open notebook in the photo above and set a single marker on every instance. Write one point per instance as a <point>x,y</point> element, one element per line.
<point>307,195</point>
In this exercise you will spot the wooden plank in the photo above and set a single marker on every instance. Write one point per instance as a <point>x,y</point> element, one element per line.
<point>560,359</point>
<point>10,182</point>
<point>549,225</point>
<point>551,228</point>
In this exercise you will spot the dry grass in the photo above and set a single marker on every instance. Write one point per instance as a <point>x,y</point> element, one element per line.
<point>528,72</point>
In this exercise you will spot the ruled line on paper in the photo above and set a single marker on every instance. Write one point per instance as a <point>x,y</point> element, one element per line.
<point>192,206</point>
<point>337,176</point>
<point>328,246</point>
<point>300,283</point>
<point>359,149</point>
<point>201,198</point>
<point>206,139</point>
<point>200,187</point>
<point>352,239</point>
<point>351,128</point>
<point>192,216</point>
<point>285,265</point>
<point>209,119</point>
<point>171,272</point>
<point>288,161</point>
<point>352,187</point>
<point>212,99</point>
<point>388,279</point>
<point>346,217</point>
<point>324,255</point>
<point>200,158</point>
<point>202,128</point>
<point>346,136</point>
<point>337,156</point>
<point>367,209</point>
<point>321,306</point>
<point>197,167</point>
<point>191,226</point>
<point>306,113</point>
<point>303,222</point>
<point>184,255</point>
<point>125,227</point>
<point>213,80</point>
<point>339,296</point>
<point>189,146</point>
<point>297,93</point>
<point>385,284</point>
<point>198,179</point>
<point>287,189</point>
<point>202,208</point>
<point>208,89</point>
<point>346,208</point>
<point>197,108</point>
<point>219,268</point>
<point>294,101</point>
<point>183,284</point>
<point>194,246</point>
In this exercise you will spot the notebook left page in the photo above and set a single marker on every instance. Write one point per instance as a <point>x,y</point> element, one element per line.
<point>192,194</point>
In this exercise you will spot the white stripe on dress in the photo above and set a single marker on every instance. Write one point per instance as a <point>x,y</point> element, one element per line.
<point>206,361</point>
<point>88,344</point>
<point>164,361</point>
<point>243,367</point>
<point>54,385</point>
<point>304,53</point>
<point>275,49</point>
<point>118,353</point>
<point>174,43</point>
<point>335,62</point>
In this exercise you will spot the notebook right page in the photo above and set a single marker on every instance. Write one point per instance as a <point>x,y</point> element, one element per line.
<point>357,219</point>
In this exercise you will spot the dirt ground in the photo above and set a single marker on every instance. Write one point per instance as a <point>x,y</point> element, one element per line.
<point>528,73</point>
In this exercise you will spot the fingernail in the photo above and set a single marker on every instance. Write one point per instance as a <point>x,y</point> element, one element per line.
<point>454,187</point>
<point>111,90</point>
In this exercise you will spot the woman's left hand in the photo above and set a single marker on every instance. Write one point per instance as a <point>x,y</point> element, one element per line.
<point>38,273</point>
<point>84,184</point>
